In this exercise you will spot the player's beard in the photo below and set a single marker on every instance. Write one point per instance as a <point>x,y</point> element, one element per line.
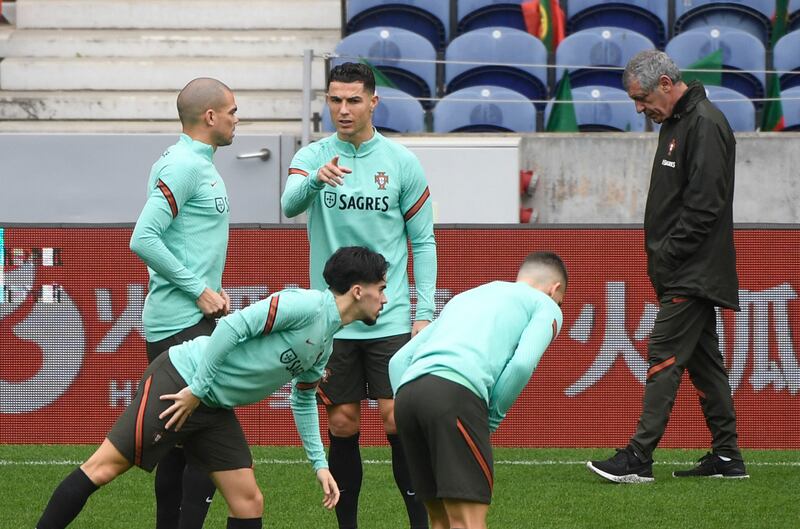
<point>369,321</point>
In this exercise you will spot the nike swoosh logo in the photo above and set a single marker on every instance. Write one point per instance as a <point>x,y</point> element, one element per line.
<point>410,493</point>
<point>208,499</point>
<point>213,183</point>
<point>309,342</point>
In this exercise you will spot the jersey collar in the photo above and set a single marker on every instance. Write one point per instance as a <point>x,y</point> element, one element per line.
<point>364,149</point>
<point>203,149</point>
<point>332,316</point>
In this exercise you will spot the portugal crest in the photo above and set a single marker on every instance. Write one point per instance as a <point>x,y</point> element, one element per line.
<point>330,199</point>
<point>381,179</point>
<point>671,148</point>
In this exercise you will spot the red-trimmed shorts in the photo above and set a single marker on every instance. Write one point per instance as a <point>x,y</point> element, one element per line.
<point>212,438</point>
<point>444,428</point>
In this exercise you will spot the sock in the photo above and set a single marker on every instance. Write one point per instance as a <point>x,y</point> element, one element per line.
<point>417,515</point>
<point>244,523</point>
<point>169,489</point>
<point>198,490</point>
<point>345,464</point>
<point>67,501</point>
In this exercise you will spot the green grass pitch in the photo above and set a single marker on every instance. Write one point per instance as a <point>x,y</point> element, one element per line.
<point>534,488</point>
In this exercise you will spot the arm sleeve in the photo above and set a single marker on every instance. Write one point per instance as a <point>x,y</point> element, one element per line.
<point>402,359</point>
<point>415,203</point>
<point>172,190</point>
<point>541,330</point>
<point>302,187</point>
<point>305,412</point>
<point>282,311</point>
<point>706,194</point>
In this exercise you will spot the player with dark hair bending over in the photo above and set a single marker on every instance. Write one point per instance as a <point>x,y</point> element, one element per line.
<point>691,261</point>
<point>364,189</point>
<point>188,393</point>
<point>182,236</point>
<point>455,381</point>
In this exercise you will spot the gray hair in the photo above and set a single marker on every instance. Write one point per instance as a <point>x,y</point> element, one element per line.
<point>647,67</point>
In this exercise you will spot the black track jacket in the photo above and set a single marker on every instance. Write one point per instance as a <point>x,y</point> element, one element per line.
<point>688,220</point>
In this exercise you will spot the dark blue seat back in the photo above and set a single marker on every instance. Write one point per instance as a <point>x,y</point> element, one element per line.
<point>484,109</point>
<point>474,14</point>
<point>740,51</point>
<point>790,102</point>
<point>509,56</point>
<point>429,19</point>
<point>601,46</point>
<point>603,108</point>
<point>739,111</point>
<point>648,17</point>
<point>786,57</point>
<point>752,16</point>
<point>389,49</point>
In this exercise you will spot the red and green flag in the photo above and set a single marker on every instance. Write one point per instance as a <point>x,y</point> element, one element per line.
<point>772,114</point>
<point>545,20</point>
<point>562,115</point>
<point>711,66</point>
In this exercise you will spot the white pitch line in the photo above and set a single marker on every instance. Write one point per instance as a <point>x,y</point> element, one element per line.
<point>8,462</point>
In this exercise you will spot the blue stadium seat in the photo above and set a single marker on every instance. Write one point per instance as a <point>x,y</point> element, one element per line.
<point>786,57</point>
<point>474,14</point>
<point>794,15</point>
<point>601,46</point>
<point>790,102</point>
<point>429,19</point>
<point>396,112</point>
<point>498,47</point>
<point>740,111</point>
<point>752,16</point>
<point>602,109</point>
<point>484,109</point>
<point>648,17</point>
<point>740,51</point>
<point>385,48</point>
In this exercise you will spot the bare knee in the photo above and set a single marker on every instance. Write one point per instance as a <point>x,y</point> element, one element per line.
<point>247,504</point>
<point>386,408</point>
<point>105,464</point>
<point>344,419</point>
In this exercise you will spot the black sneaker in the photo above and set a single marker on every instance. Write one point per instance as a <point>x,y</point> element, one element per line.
<point>624,467</point>
<point>712,466</point>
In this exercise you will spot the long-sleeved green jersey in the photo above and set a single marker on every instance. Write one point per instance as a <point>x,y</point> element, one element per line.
<point>255,351</point>
<point>182,236</point>
<point>488,339</point>
<point>383,204</point>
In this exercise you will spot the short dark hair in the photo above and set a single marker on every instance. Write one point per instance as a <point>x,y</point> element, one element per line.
<point>353,72</point>
<point>352,265</point>
<point>550,260</point>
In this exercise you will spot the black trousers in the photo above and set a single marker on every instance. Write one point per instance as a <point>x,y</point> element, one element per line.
<point>685,337</point>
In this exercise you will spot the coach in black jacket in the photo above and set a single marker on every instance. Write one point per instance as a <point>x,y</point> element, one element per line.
<point>691,262</point>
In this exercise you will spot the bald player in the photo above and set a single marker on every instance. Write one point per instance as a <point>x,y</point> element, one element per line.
<point>182,236</point>
<point>455,381</point>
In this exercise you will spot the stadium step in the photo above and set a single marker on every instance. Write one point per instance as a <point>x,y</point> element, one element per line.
<point>179,14</point>
<point>274,73</point>
<point>254,105</point>
<point>164,43</point>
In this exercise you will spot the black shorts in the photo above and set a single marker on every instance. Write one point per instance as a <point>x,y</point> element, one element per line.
<point>212,438</point>
<point>204,327</point>
<point>359,369</point>
<point>444,428</point>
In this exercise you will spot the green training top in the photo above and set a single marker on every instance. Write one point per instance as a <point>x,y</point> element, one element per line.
<point>383,203</point>
<point>182,236</point>
<point>253,352</point>
<point>488,339</point>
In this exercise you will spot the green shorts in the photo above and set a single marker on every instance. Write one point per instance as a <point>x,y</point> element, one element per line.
<point>212,438</point>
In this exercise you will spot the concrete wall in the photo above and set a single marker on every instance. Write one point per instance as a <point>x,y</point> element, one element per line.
<point>603,178</point>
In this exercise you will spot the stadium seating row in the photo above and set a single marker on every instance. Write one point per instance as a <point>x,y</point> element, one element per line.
<point>647,17</point>
<point>516,60</point>
<point>498,109</point>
